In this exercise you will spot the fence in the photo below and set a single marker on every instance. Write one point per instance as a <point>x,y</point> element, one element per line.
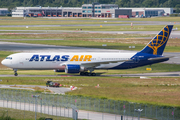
<point>49,103</point>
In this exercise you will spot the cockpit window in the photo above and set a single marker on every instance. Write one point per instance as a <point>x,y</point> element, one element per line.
<point>9,58</point>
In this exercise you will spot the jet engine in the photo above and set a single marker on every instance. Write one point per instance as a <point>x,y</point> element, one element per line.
<point>73,68</point>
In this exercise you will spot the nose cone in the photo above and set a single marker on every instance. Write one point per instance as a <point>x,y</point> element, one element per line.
<point>5,62</point>
<point>2,62</point>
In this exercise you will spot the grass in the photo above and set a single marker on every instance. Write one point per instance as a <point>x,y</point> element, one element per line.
<point>52,22</point>
<point>92,40</point>
<point>44,21</point>
<point>26,115</point>
<point>157,91</point>
<point>94,28</point>
<point>4,54</point>
<point>71,35</point>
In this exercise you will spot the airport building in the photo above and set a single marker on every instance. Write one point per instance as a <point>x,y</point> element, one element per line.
<point>100,10</point>
<point>4,11</point>
<point>90,10</point>
<point>104,10</point>
<point>149,12</point>
<point>87,10</point>
<point>46,12</point>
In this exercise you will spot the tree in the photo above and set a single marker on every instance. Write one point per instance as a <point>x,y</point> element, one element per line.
<point>132,2</point>
<point>147,3</point>
<point>119,3</point>
<point>10,8</point>
<point>74,3</point>
<point>170,3</point>
<point>178,8</point>
<point>165,4</point>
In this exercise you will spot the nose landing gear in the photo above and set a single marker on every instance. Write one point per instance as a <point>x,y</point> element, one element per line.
<point>15,72</point>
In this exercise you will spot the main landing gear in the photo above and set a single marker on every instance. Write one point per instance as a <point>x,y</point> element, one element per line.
<point>87,74</point>
<point>15,72</point>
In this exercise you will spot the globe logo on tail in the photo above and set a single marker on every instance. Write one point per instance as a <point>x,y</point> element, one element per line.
<point>159,40</point>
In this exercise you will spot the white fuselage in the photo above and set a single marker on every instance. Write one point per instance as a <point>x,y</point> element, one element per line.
<point>43,61</point>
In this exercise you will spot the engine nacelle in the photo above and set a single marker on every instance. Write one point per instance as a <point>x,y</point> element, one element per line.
<point>72,68</point>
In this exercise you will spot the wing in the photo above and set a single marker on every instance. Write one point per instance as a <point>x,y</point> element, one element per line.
<point>96,63</point>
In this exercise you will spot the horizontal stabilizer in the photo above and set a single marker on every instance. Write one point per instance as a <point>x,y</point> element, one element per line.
<point>159,58</point>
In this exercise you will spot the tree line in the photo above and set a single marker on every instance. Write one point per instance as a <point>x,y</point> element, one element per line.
<point>78,3</point>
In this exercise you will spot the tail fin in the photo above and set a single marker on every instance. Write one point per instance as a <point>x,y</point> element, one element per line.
<point>157,44</point>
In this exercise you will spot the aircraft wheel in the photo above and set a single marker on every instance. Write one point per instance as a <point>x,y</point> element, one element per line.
<point>15,74</point>
<point>86,73</point>
<point>82,73</point>
<point>89,74</point>
<point>93,74</point>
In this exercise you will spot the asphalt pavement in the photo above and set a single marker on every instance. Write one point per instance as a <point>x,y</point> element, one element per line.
<point>23,47</point>
<point>144,75</point>
<point>158,74</point>
<point>55,90</point>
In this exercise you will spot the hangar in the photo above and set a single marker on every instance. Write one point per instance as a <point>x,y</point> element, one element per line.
<point>149,12</point>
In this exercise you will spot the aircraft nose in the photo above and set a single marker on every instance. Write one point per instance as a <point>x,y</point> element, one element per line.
<point>4,62</point>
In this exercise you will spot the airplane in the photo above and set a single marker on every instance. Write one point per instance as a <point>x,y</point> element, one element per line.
<point>85,63</point>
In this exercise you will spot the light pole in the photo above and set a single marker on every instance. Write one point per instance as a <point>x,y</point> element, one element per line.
<point>35,96</point>
<point>139,112</point>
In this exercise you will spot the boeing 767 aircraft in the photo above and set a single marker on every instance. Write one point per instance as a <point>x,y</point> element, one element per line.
<point>84,62</point>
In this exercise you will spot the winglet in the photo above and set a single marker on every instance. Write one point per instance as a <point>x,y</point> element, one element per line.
<point>157,44</point>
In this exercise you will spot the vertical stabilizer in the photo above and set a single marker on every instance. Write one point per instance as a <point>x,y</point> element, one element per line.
<point>157,44</point>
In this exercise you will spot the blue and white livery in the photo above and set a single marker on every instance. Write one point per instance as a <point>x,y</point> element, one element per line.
<point>84,62</point>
